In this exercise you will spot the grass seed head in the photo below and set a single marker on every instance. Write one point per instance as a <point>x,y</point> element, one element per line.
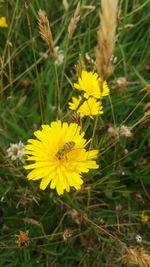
<point>46,34</point>
<point>106,38</point>
<point>136,256</point>
<point>73,23</point>
<point>65,4</point>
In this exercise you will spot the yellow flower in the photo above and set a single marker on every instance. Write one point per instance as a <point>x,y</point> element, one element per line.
<point>3,23</point>
<point>23,239</point>
<point>90,83</point>
<point>59,156</point>
<point>89,107</point>
<point>144,217</point>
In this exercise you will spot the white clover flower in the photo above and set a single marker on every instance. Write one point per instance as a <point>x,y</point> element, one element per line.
<point>60,56</point>
<point>138,239</point>
<point>16,152</point>
<point>125,131</point>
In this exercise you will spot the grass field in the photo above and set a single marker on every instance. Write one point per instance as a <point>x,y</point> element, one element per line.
<point>106,223</point>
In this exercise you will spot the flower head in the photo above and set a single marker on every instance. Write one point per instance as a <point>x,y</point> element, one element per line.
<point>67,235</point>
<point>59,156</point>
<point>16,152</point>
<point>90,107</point>
<point>90,83</point>
<point>144,217</point>
<point>125,131</point>
<point>23,239</point>
<point>138,239</point>
<point>3,23</point>
<point>60,56</point>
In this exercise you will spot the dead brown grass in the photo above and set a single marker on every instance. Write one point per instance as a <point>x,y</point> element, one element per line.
<point>136,256</point>
<point>46,34</point>
<point>106,37</point>
<point>73,23</point>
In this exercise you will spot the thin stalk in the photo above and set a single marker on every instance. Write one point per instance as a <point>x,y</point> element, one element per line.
<point>37,74</point>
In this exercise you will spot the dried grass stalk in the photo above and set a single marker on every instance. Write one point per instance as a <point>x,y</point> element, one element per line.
<point>73,23</point>
<point>106,37</point>
<point>65,4</point>
<point>136,256</point>
<point>26,4</point>
<point>46,34</point>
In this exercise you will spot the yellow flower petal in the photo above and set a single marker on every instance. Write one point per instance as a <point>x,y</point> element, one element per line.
<point>44,183</point>
<point>75,103</point>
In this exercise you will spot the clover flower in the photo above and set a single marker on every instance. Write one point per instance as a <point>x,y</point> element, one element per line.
<point>138,239</point>
<point>125,131</point>
<point>3,23</point>
<point>60,56</point>
<point>90,107</point>
<point>16,152</point>
<point>59,156</point>
<point>90,83</point>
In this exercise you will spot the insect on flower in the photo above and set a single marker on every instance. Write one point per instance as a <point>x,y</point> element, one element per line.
<point>59,156</point>
<point>66,149</point>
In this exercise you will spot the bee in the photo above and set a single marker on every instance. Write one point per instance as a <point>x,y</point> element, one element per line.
<point>66,148</point>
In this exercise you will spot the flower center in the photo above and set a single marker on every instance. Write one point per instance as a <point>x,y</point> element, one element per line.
<point>15,150</point>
